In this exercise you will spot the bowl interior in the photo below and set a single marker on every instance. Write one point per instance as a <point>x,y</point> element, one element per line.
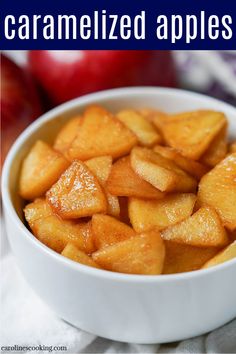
<point>46,128</point>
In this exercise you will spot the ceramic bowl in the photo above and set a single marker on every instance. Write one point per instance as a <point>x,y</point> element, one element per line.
<point>129,308</point>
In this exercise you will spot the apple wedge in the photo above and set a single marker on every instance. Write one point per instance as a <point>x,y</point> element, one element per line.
<point>101,134</point>
<point>218,189</point>
<point>217,149</point>
<point>77,193</point>
<point>193,168</point>
<point>73,253</point>
<point>147,214</point>
<point>101,168</point>
<point>157,118</point>
<point>123,181</point>
<point>141,254</point>
<point>67,134</point>
<point>108,230</point>
<point>55,232</point>
<point>38,209</point>
<point>141,127</point>
<point>202,229</point>
<point>160,171</point>
<point>185,258</point>
<point>41,168</point>
<point>113,205</point>
<point>191,133</point>
<point>227,254</point>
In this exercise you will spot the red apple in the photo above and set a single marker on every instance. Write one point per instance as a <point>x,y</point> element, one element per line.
<point>68,74</point>
<point>20,103</point>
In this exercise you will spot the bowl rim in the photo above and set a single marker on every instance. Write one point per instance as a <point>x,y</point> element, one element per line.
<point>83,100</point>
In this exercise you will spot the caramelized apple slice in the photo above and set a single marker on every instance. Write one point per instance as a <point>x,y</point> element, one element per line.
<point>38,209</point>
<point>113,205</point>
<point>101,134</point>
<point>161,172</point>
<point>202,229</point>
<point>41,168</point>
<point>67,134</point>
<point>185,258</point>
<point>191,133</point>
<point>101,168</point>
<point>194,168</point>
<point>73,253</point>
<point>141,127</point>
<point>77,193</point>
<point>218,189</point>
<point>142,254</point>
<point>108,230</point>
<point>123,181</point>
<point>227,254</point>
<point>217,149</point>
<point>147,214</point>
<point>158,118</point>
<point>55,232</point>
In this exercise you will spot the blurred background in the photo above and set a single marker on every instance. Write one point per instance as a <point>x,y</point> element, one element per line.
<point>33,82</point>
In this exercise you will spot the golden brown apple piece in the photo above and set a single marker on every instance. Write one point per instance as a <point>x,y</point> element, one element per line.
<point>67,134</point>
<point>108,230</point>
<point>73,253</point>
<point>226,255</point>
<point>157,118</point>
<point>55,232</point>
<point>185,258</point>
<point>141,254</point>
<point>202,229</point>
<point>218,189</point>
<point>101,168</point>
<point>147,214</point>
<point>193,168</point>
<point>161,172</point>
<point>191,133</point>
<point>217,149</point>
<point>77,193</point>
<point>123,181</point>
<point>146,133</point>
<point>41,168</point>
<point>101,134</point>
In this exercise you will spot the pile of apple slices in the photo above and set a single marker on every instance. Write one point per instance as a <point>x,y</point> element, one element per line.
<point>139,192</point>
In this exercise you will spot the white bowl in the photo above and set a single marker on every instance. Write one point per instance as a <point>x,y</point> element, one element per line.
<point>129,308</point>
